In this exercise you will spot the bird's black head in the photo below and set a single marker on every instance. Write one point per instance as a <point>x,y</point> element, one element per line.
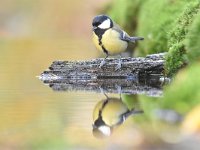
<point>102,22</point>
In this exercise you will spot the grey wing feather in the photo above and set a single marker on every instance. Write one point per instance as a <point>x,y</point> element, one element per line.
<point>124,36</point>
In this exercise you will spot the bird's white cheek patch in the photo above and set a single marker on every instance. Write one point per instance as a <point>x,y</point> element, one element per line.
<point>105,130</point>
<point>105,24</point>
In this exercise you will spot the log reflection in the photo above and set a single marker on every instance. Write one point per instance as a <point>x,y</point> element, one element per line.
<point>150,85</point>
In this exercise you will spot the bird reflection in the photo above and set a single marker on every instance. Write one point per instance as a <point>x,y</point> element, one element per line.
<point>108,114</point>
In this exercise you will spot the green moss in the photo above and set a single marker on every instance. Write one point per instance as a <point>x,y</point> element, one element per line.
<point>155,21</point>
<point>176,55</point>
<point>175,58</point>
<point>131,101</point>
<point>165,25</point>
<point>192,40</point>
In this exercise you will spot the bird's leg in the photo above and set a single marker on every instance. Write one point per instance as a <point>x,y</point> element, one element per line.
<point>119,65</point>
<point>103,62</point>
<point>106,95</point>
<point>119,90</point>
<point>103,92</point>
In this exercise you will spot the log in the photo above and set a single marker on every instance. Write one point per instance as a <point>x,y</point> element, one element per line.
<point>131,67</point>
<point>137,75</point>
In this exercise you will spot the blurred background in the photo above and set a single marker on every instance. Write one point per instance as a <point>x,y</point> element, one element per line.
<point>32,35</point>
<point>35,33</point>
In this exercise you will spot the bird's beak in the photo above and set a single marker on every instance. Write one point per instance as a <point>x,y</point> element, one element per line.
<point>94,126</point>
<point>94,28</point>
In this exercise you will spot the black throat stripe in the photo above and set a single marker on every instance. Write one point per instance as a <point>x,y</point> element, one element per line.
<point>99,33</point>
<point>102,46</point>
<point>100,121</point>
<point>104,50</point>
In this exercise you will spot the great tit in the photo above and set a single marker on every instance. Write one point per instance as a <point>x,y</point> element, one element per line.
<point>109,38</point>
<point>108,114</point>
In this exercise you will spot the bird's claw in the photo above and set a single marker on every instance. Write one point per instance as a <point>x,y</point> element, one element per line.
<point>103,62</point>
<point>119,65</point>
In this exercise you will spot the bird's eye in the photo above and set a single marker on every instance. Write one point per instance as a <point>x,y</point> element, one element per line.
<point>96,24</point>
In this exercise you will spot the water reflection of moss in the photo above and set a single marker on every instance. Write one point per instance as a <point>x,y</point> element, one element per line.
<point>131,101</point>
<point>46,142</point>
<point>181,96</point>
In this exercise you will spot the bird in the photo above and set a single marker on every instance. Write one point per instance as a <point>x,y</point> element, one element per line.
<point>109,38</point>
<point>108,114</point>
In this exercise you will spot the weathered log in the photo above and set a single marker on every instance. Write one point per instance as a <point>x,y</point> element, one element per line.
<point>136,76</point>
<point>131,67</point>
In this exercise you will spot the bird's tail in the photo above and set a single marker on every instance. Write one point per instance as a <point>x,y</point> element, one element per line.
<point>133,112</point>
<point>133,39</point>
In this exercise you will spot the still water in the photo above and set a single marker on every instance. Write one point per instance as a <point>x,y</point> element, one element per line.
<point>33,116</point>
<point>57,116</point>
<point>67,115</point>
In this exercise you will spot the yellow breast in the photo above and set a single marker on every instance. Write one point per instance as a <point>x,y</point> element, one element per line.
<point>111,42</point>
<point>112,112</point>
<point>96,41</point>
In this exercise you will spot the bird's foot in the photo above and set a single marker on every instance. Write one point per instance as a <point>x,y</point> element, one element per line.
<point>119,88</point>
<point>119,65</point>
<point>101,89</point>
<point>103,62</point>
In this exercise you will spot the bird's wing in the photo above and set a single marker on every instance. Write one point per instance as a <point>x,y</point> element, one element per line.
<point>124,36</point>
